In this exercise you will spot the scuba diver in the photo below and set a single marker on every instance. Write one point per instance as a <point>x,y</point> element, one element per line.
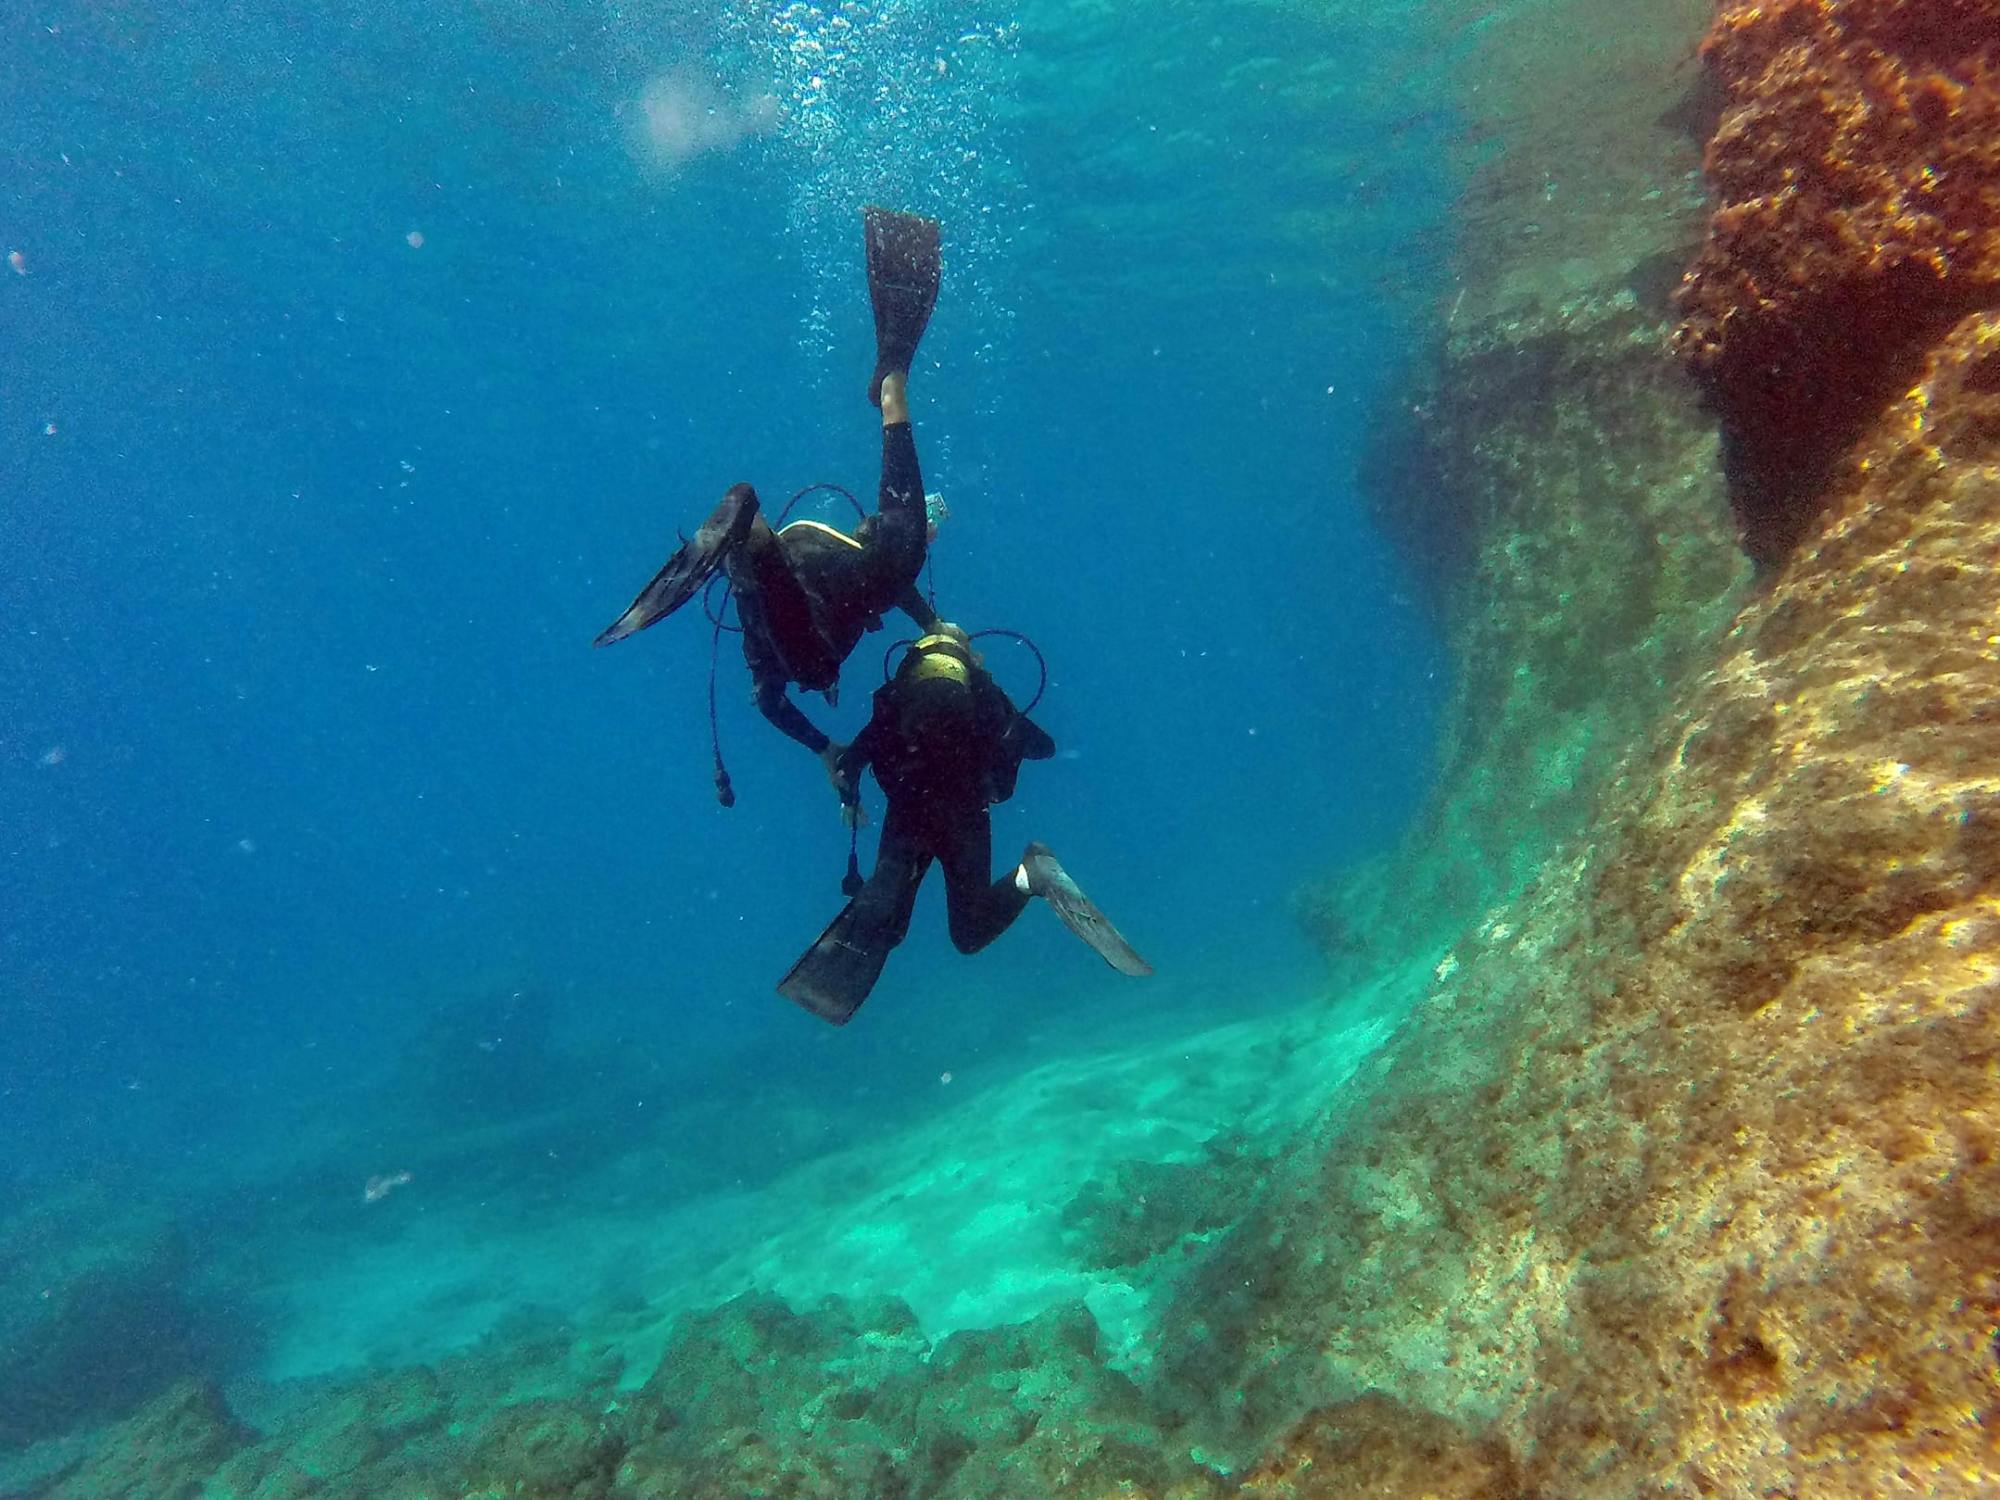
<point>806,592</point>
<point>946,744</point>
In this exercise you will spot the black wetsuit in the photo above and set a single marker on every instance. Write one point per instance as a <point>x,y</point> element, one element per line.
<point>939,786</point>
<point>807,594</point>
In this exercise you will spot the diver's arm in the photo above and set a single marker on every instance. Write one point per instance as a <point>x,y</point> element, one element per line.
<point>786,715</point>
<point>860,754</point>
<point>850,761</point>
<point>913,604</point>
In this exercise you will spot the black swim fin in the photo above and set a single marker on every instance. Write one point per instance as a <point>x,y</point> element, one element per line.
<point>903,273</point>
<point>835,974</point>
<point>1048,879</point>
<point>689,568</point>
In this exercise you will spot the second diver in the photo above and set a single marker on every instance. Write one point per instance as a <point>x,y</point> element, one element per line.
<point>946,743</point>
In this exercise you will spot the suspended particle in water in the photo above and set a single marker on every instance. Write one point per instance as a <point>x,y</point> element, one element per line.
<point>48,429</point>
<point>415,239</point>
<point>55,755</point>
<point>18,261</point>
<point>944,1078</point>
<point>246,846</point>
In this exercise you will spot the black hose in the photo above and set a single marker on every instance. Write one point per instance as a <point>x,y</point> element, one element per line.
<point>714,616</point>
<point>1041,661</point>
<point>892,648</point>
<point>724,792</point>
<point>859,509</point>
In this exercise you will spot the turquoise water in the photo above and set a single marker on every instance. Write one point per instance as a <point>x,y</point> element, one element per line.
<point>363,364</point>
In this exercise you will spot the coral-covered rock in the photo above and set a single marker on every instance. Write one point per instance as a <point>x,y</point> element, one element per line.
<point>750,1399</point>
<point>1027,1411</point>
<point>1551,212</point>
<point>753,1398</point>
<point>1374,1449</point>
<point>737,1364</point>
<point>546,1450</point>
<point>1857,177</point>
<point>163,1453</point>
<point>90,1332</point>
<point>341,1437</point>
<point>1147,1208</point>
<point>1686,1177</point>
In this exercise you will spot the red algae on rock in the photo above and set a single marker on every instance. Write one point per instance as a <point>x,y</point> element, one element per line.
<point>1856,172</point>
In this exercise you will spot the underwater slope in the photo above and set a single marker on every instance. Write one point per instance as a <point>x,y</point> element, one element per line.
<point>960,1309</point>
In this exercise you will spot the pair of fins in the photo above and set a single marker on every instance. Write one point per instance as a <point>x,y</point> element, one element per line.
<point>836,973</point>
<point>904,268</point>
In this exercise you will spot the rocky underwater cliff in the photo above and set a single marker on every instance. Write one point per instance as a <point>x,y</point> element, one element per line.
<point>1682,1177</point>
<point>1678,1172</point>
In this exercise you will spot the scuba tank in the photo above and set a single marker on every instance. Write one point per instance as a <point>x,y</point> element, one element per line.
<point>935,707</point>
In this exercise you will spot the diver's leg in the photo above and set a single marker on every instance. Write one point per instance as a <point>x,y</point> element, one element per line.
<point>767,691</point>
<point>837,972</point>
<point>896,399</point>
<point>980,908</point>
<point>885,902</point>
<point>893,541</point>
<point>726,529</point>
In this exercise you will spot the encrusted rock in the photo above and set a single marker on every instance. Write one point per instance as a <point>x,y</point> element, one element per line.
<point>89,1333</point>
<point>1553,483</point>
<point>1686,1177</point>
<point>162,1453</point>
<point>1372,1448</point>
<point>1144,1209</point>
<point>1857,177</point>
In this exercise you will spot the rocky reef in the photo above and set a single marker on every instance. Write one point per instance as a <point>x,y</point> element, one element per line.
<point>94,1323</point>
<point>1547,472</point>
<point>1857,172</point>
<point>1683,1175</point>
<point>1552,480</point>
<point>752,1398</point>
<point>1581,162</point>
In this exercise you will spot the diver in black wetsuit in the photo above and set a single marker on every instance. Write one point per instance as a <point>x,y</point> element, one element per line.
<point>946,744</point>
<point>806,593</point>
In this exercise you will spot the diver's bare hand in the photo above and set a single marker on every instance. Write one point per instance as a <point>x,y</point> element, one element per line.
<point>846,784</point>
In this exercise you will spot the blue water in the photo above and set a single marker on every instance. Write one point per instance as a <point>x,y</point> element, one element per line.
<point>366,361</point>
